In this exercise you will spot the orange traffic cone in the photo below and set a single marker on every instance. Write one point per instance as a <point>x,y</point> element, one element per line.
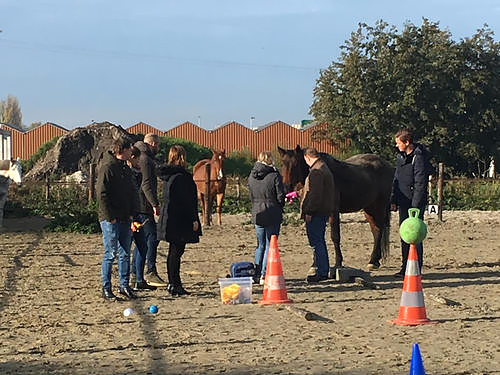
<point>274,283</point>
<point>412,307</point>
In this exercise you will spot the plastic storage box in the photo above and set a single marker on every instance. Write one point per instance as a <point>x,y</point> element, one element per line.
<point>236,290</point>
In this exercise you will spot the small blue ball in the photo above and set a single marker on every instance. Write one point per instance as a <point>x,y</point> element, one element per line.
<point>153,309</point>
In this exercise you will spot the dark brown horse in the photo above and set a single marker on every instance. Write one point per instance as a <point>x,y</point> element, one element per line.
<point>217,183</point>
<point>362,182</point>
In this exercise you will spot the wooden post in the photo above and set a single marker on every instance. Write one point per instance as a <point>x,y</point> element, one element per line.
<point>429,188</point>
<point>440,191</point>
<point>47,187</point>
<point>238,187</point>
<point>208,198</point>
<point>91,183</point>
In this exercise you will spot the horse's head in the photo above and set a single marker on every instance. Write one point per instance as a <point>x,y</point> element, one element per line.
<point>217,161</point>
<point>294,169</point>
<point>14,171</point>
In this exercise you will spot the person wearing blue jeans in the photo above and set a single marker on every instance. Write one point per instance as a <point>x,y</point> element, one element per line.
<point>116,237</point>
<point>267,194</point>
<point>149,205</point>
<point>118,202</point>
<point>317,204</point>
<point>137,281</point>
<point>263,238</point>
<point>315,229</point>
<point>151,241</point>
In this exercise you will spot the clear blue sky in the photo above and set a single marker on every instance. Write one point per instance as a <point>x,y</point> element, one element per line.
<point>166,62</point>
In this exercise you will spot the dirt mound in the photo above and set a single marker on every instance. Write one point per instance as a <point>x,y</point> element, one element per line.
<point>77,150</point>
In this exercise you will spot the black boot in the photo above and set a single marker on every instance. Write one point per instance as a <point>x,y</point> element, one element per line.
<point>127,292</point>
<point>142,285</point>
<point>108,295</point>
<point>177,290</point>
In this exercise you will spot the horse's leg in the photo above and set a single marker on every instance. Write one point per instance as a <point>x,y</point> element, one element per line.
<point>376,253</point>
<point>220,197</point>
<point>210,202</point>
<point>378,216</point>
<point>201,198</point>
<point>335,234</point>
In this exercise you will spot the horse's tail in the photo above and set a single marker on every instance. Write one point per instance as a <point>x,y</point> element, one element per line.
<point>386,230</point>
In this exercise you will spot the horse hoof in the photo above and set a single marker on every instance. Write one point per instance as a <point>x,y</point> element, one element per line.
<point>373,267</point>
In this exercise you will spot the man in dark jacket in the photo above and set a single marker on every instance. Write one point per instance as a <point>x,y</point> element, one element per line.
<point>267,194</point>
<point>409,188</point>
<point>149,204</point>
<point>117,200</point>
<point>139,239</point>
<point>316,206</point>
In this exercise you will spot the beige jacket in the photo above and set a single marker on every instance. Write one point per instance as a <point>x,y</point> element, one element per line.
<point>317,195</point>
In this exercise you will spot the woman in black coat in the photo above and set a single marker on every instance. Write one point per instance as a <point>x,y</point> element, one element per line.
<point>178,223</point>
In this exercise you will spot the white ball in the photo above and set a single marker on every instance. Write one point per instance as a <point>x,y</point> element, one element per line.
<point>128,311</point>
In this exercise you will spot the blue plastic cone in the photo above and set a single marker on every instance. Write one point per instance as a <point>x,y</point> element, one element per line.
<point>416,366</point>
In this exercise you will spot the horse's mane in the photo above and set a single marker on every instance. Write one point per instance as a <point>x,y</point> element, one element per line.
<point>333,164</point>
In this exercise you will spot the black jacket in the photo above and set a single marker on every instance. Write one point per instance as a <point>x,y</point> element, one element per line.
<point>409,188</point>
<point>148,196</point>
<point>116,193</point>
<point>180,206</point>
<point>267,194</point>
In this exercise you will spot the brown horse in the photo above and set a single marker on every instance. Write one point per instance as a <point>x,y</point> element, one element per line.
<point>362,182</point>
<point>217,183</point>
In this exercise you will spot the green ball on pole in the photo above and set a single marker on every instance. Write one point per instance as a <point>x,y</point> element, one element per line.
<point>413,230</point>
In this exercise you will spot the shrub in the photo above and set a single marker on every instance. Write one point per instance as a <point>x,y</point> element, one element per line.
<point>67,207</point>
<point>467,194</point>
<point>239,163</point>
<point>194,152</point>
<point>29,163</point>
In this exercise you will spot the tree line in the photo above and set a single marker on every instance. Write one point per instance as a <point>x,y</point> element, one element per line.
<point>447,92</point>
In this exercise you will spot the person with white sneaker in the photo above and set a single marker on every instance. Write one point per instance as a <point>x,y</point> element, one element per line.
<point>149,206</point>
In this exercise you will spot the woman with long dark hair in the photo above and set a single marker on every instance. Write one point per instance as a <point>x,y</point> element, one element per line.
<point>179,223</point>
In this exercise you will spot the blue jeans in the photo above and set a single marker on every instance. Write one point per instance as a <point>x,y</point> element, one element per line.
<point>316,234</point>
<point>140,251</point>
<point>149,233</point>
<point>116,238</point>
<point>263,238</point>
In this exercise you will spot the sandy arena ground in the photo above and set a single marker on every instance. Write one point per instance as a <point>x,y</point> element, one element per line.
<point>53,320</point>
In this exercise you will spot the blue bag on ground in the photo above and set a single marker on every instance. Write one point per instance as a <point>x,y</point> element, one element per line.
<point>242,269</point>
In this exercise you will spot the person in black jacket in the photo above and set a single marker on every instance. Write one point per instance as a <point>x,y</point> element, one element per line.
<point>409,188</point>
<point>149,206</point>
<point>138,234</point>
<point>118,202</point>
<point>179,223</point>
<point>267,194</point>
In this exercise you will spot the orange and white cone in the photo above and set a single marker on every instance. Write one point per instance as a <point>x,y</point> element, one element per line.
<point>412,308</point>
<point>274,282</point>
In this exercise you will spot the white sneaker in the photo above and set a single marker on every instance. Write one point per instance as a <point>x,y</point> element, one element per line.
<point>261,281</point>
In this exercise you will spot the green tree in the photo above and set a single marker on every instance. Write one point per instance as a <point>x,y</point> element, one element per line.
<point>447,92</point>
<point>194,152</point>
<point>10,112</point>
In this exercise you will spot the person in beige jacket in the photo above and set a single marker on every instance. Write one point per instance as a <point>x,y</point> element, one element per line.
<point>316,206</point>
